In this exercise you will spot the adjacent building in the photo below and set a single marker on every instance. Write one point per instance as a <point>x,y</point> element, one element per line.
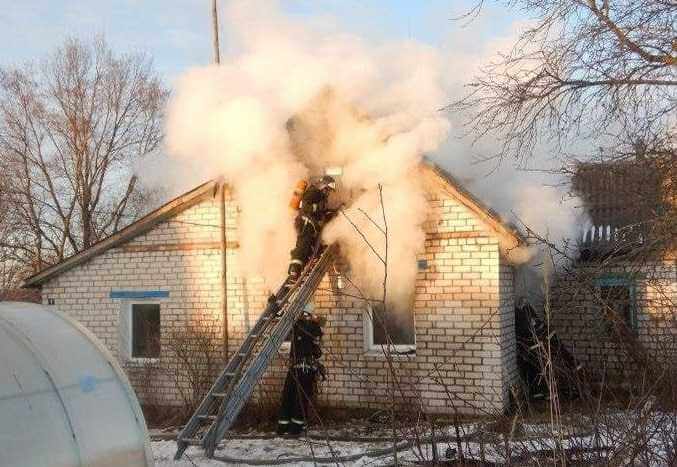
<point>615,309</point>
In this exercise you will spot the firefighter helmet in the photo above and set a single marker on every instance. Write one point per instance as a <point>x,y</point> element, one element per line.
<point>327,183</point>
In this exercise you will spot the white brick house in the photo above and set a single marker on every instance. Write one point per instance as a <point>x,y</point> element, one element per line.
<point>172,267</point>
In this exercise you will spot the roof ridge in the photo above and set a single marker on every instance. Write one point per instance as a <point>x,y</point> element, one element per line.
<point>474,203</point>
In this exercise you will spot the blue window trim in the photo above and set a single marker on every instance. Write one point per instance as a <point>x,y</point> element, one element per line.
<point>138,294</point>
<point>616,280</point>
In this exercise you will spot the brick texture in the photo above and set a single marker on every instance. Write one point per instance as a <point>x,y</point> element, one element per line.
<point>463,312</point>
<point>577,316</point>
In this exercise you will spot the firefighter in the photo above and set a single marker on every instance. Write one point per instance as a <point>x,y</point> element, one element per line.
<point>533,340</point>
<point>304,366</point>
<point>313,214</point>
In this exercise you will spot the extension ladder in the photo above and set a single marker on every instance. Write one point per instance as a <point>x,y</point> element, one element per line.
<point>226,398</point>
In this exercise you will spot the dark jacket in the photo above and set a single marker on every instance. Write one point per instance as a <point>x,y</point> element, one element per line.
<point>305,345</point>
<point>314,204</point>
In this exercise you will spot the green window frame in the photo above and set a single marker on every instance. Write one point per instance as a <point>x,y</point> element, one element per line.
<point>621,281</point>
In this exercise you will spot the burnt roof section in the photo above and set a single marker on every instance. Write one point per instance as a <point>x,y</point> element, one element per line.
<point>631,206</point>
<point>619,193</point>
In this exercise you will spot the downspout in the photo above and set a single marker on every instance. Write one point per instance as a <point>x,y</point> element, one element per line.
<point>224,270</point>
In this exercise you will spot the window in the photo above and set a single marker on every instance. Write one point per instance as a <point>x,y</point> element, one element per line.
<point>393,326</point>
<point>618,294</point>
<point>145,332</point>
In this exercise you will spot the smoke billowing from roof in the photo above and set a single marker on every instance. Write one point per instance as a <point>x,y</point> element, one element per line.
<point>289,100</point>
<point>293,100</point>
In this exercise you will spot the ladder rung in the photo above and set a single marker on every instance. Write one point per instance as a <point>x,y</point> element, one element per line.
<point>242,354</point>
<point>253,336</point>
<point>207,417</point>
<point>218,394</point>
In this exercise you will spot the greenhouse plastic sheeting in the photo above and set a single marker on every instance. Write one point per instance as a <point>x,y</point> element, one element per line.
<point>64,401</point>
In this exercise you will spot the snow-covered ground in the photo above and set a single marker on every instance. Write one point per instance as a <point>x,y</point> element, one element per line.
<point>326,448</point>
<point>267,449</point>
<point>355,445</point>
<point>275,450</point>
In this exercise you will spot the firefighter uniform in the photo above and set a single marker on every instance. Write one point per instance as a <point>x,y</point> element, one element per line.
<point>308,223</point>
<point>304,366</point>
<point>532,341</point>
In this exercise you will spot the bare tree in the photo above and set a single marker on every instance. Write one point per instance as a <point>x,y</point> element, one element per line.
<point>197,352</point>
<point>71,128</point>
<point>583,69</point>
<point>9,266</point>
<point>597,78</point>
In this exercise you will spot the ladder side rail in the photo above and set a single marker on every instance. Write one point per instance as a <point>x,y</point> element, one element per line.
<point>244,388</point>
<point>307,271</point>
<point>247,350</point>
<point>230,375</point>
<point>283,327</point>
<point>242,391</point>
<point>233,363</point>
<point>233,370</point>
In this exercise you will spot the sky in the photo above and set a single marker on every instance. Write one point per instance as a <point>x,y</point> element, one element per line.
<point>177,33</point>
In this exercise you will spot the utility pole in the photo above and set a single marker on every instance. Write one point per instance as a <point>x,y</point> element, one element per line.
<point>215,32</point>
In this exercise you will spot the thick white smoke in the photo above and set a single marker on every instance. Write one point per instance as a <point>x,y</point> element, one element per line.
<point>290,101</point>
<point>528,193</point>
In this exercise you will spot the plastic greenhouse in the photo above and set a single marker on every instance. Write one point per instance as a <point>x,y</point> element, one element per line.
<point>64,401</point>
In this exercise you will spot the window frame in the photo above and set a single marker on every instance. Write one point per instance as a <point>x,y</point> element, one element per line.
<point>374,349</point>
<point>130,319</point>
<point>621,281</point>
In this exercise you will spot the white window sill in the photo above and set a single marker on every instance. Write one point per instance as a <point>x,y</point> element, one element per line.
<point>400,352</point>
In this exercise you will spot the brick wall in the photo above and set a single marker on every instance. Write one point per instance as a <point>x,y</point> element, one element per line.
<point>463,312</point>
<point>20,295</point>
<point>464,321</point>
<point>577,316</point>
<point>181,256</point>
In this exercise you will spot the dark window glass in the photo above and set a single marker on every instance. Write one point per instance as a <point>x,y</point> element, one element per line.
<point>398,324</point>
<point>146,330</point>
<point>619,299</point>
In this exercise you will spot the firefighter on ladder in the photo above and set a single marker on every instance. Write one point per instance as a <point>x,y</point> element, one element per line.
<point>304,366</point>
<point>313,214</point>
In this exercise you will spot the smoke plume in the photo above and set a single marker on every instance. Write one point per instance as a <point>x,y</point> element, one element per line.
<point>290,101</point>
